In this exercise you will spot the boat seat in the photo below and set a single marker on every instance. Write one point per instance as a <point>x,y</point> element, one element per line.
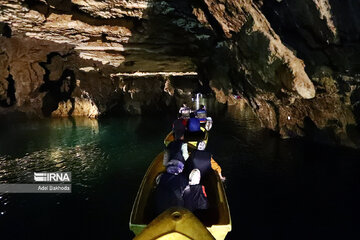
<point>194,136</point>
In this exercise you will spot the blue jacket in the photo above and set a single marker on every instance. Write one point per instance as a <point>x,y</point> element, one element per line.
<point>194,125</point>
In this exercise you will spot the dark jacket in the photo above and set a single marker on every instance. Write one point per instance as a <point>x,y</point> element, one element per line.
<point>175,152</point>
<point>169,191</point>
<point>195,197</point>
<point>200,160</point>
<point>178,125</point>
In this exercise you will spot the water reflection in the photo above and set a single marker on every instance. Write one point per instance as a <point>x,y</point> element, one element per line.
<point>50,145</point>
<point>272,184</point>
<point>99,154</point>
<point>21,138</point>
<point>244,117</point>
<point>75,122</point>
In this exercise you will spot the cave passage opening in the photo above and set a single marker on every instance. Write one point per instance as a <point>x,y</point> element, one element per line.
<point>58,91</point>
<point>10,93</point>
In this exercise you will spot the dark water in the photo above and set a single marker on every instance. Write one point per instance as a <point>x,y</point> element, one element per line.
<point>277,189</point>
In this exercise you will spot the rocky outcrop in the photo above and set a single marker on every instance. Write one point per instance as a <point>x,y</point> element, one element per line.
<point>20,60</point>
<point>325,35</point>
<point>290,61</point>
<point>104,44</point>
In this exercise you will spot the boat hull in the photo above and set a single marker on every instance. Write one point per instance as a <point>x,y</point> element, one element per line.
<point>218,220</point>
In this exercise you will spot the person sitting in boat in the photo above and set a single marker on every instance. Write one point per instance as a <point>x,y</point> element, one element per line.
<point>193,123</point>
<point>177,149</point>
<point>202,160</point>
<point>201,114</point>
<point>194,195</point>
<point>202,107</point>
<point>170,187</point>
<point>194,131</point>
<point>185,111</point>
<point>179,124</point>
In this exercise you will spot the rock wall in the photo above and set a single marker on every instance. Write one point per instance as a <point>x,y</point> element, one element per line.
<point>325,34</point>
<point>293,62</point>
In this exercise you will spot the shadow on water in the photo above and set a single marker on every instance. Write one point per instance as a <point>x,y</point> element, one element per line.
<point>286,189</point>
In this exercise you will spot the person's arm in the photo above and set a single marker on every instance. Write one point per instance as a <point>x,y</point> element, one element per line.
<point>204,204</point>
<point>184,151</point>
<point>166,157</point>
<point>216,167</point>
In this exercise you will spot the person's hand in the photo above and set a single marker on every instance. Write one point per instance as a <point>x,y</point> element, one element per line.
<point>222,178</point>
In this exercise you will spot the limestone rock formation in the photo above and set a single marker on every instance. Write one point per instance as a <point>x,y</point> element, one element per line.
<point>292,62</point>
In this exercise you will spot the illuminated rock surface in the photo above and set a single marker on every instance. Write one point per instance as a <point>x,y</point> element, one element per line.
<point>290,61</point>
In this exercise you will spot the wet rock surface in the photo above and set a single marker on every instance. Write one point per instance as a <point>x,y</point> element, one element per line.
<point>294,63</point>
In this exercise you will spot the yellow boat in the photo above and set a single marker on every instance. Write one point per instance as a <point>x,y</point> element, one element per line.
<point>192,143</point>
<point>217,218</point>
<point>175,224</point>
